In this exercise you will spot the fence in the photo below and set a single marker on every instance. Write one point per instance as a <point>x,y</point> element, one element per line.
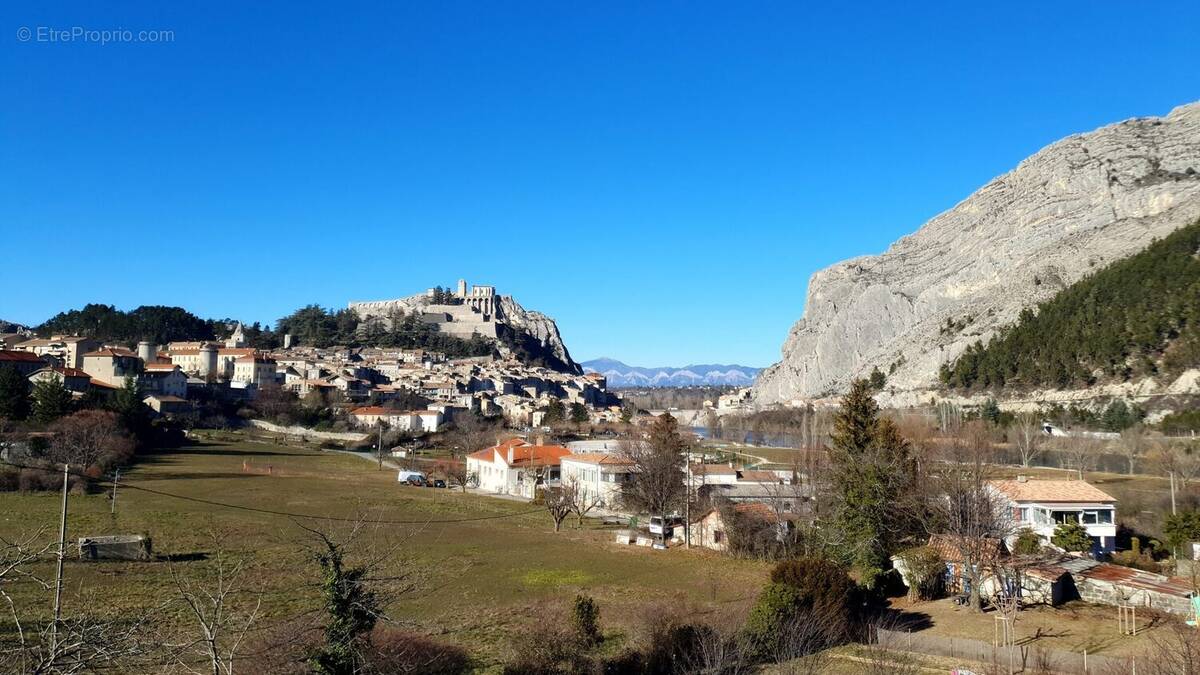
<point>1026,656</point>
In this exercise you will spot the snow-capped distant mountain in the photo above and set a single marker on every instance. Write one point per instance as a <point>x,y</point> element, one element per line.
<point>623,375</point>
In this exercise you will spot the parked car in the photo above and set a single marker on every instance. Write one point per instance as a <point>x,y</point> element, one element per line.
<point>439,483</point>
<point>665,526</point>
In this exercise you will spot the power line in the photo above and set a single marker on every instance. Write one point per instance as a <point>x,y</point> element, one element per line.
<point>287,514</point>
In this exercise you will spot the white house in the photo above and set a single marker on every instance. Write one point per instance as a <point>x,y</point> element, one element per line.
<point>254,369</point>
<point>166,379</point>
<point>1042,505</point>
<point>598,475</point>
<point>713,474</point>
<point>515,467</point>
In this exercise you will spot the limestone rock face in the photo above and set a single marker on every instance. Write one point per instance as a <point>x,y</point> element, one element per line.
<point>525,333</point>
<point>1072,208</point>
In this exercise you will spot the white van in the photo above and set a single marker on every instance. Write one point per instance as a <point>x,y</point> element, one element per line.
<point>411,476</point>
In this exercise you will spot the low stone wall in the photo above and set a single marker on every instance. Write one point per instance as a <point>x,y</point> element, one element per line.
<point>304,432</point>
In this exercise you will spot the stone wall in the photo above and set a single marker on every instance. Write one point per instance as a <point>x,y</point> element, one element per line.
<point>304,432</point>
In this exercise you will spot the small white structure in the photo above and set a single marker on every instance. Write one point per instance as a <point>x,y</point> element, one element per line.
<point>1043,505</point>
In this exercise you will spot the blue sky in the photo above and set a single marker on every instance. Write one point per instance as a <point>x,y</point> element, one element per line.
<point>660,177</point>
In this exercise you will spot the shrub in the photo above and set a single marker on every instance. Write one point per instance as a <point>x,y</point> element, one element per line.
<point>923,572</point>
<point>397,651</point>
<point>813,590</point>
<point>1072,537</point>
<point>1028,543</point>
<point>585,620</point>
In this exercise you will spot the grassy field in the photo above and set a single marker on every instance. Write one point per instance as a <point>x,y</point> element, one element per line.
<point>478,582</point>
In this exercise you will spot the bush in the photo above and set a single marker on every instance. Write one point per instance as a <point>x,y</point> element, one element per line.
<point>585,620</point>
<point>397,651</point>
<point>1028,543</point>
<point>1072,537</point>
<point>814,591</point>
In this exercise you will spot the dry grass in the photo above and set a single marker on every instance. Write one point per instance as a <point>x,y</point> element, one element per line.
<point>480,582</point>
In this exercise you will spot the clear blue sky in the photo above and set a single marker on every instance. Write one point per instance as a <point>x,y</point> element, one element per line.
<point>660,177</point>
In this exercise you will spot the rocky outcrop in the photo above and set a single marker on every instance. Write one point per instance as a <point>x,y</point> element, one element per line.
<point>1073,207</point>
<point>530,336</point>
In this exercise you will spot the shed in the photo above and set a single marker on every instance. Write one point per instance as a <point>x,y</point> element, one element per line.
<point>115,547</point>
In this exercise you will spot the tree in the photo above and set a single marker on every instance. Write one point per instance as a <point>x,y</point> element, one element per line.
<point>1133,444</point>
<point>583,501</point>
<point>1181,528</point>
<point>656,483</point>
<point>1072,537</point>
<point>585,620</point>
<point>1026,435</point>
<point>556,412</point>
<point>924,571</point>
<point>127,403</point>
<point>1118,416</point>
<point>90,438</point>
<point>558,502</point>
<point>973,515</point>
<point>51,400</point>
<point>14,394</point>
<point>873,477</point>
<point>877,379</point>
<point>579,413</point>
<point>1028,543</point>
<point>222,613</point>
<point>816,590</point>
<point>990,412</point>
<point>1080,454</point>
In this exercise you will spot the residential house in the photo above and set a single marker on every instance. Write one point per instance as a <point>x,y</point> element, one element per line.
<point>26,363</point>
<point>515,467</point>
<point>68,350</point>
<point>166,379</point>
<point>166,404</point>
<point>111,365</point>
<point>254,369</point>
<point>73,379</point>
<point>1043,505</point>
<point>598,475</point>
<point>712,532</point>
<point>713,474</point>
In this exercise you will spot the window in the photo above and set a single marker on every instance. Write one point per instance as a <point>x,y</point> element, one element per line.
<point>718,536</point>
<point>1098,517</point>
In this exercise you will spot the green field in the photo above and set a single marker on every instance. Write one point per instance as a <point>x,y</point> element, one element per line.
<point>478,583</point>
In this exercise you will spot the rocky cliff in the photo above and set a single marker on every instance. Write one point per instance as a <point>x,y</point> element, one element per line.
<point>1074,206</point>
<point>530,336</point>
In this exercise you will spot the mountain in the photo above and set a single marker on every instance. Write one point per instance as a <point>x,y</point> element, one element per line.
<point>622,375</point>
<point>1138,317</point>
<point>10,327</point>
<point>1068,210</point>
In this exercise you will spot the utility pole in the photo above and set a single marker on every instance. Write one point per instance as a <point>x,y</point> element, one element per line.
<point>58,582</point>
<point>379,446</point>
<point>1172,493</point>
<point>687,502</point>
<point>116,479</point>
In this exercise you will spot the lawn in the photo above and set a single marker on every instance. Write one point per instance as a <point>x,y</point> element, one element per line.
<point>478,582</point>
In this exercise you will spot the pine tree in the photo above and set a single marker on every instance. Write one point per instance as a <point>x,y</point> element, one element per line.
<point>127,403</point>
<point>14,394</point>
<point>51,400</point>
<point>873,475</point>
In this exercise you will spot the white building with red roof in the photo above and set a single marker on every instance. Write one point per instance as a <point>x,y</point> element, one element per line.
<point>515,467</point>
<point>598,475</point>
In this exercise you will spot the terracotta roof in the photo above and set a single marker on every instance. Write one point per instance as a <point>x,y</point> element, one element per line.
<point>165,367</point>
<point>101,384</point>
<point>949,548</point>
<point>599,458</point>
<point>523,453</point>
<point>1051,491</point>
<point>374,410</point>
<point>10,355</point>
<point>111,351</point>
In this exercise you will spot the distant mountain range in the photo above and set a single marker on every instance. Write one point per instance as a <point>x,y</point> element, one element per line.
<point>10,327</point>
<point>623,375</point>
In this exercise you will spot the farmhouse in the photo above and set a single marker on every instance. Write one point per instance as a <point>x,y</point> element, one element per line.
<point>515,467</point>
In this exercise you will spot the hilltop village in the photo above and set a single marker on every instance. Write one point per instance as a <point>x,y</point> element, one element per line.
<point>370,382</point>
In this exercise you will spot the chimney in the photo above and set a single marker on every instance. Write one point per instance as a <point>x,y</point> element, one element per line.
<point>1022,478</point>
<point>539,440</point>
<point>510,455</point>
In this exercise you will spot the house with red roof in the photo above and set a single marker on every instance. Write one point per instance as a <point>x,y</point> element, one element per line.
<point>515,467</point>
<point>1043,505</point>
<point>26,363</point>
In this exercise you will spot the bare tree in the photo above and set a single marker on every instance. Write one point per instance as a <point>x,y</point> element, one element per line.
<point>1079,454</point>
<point>1176,458</point>
<point>1026,435</point>
<point>75,643</point>
<point>222,611</point>
<point>455,472</point>
<point>1133,444</point>
<point>583,500</point>
<point>967,509</point>
<point>559,502</point>
<point>656,483</point>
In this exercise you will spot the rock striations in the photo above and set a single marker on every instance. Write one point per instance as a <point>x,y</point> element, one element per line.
<point>1074,206</point>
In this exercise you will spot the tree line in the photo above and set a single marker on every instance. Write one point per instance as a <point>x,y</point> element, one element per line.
<point>1139,316</point>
